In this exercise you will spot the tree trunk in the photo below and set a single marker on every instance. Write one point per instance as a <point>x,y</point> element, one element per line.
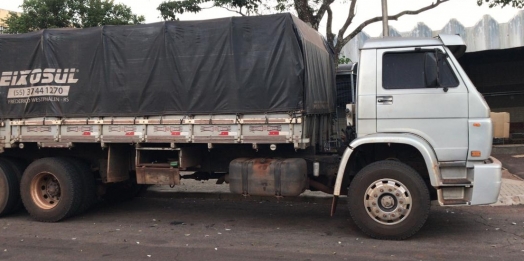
<point>305,13</point>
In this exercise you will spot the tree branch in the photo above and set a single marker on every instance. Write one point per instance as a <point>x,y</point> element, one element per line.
<point>329,26</point>
<point>320,13</point>
<point>341,41</point>
<point>231,10</point>
<point>351,15</point>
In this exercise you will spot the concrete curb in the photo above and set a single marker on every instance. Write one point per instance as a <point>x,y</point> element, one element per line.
<point>509,149</point>
<point>511,193</point>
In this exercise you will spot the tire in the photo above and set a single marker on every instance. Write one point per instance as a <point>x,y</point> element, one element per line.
<point>9,188</point>
<point>88,184</point>
<point>51,189</point>
<point>18,167</point>
<point>388,200</point>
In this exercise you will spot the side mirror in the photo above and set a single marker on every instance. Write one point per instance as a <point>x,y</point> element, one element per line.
<point>430,70</point>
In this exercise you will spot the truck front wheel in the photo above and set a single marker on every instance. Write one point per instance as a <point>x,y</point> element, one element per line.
<point>51,189</point>
<point>388,200</point>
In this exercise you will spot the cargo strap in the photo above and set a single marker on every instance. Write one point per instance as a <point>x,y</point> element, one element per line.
<point>278,182</point>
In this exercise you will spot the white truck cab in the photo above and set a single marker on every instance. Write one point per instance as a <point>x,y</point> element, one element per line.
<point>413,94</point>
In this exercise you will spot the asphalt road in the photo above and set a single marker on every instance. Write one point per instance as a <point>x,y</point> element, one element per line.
<point>212,229</point>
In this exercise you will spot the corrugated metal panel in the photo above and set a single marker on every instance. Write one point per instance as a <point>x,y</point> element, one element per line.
<point>421,30</point>
<point>487,34</point>
<point>351,49</point>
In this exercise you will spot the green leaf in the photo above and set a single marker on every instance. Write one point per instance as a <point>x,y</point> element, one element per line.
<point>502,3</point>
<point>41,14</point>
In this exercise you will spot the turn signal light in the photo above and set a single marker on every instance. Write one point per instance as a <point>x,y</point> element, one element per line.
<point>475,153</point>
<point>476,124</point>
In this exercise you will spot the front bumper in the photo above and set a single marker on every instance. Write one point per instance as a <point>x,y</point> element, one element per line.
<point>487,180</point>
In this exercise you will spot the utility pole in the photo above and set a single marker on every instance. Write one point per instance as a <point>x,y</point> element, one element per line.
<point>385,27</point>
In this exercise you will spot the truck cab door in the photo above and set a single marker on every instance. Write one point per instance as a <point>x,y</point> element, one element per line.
<point>410,99</point>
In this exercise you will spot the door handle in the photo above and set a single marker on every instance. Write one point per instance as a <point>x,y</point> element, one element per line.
<point>385,100</point>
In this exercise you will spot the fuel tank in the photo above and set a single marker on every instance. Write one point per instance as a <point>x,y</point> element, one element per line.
<point>268,177</point>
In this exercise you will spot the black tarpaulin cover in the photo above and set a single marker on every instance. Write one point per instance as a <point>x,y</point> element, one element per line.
<point>258,64</point>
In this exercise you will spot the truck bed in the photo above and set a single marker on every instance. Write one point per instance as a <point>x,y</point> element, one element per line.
<point>53,132</point>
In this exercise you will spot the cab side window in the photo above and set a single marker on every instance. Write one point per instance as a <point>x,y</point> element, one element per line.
<point>413,70</point>
<point>447,76</point>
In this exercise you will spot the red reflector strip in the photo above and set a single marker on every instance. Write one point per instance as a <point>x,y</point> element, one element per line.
<point>175,133</point>
<point>274,133</point>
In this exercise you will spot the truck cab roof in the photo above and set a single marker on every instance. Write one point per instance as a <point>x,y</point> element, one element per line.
<point>345,69</point>
<point>454,42</point>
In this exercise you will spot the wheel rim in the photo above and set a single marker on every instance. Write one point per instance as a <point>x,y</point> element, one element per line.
<point>388,201</point>
<point>45,190</point>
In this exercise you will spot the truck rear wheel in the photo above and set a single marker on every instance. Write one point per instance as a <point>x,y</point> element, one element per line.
<point>51,189</point>
<point>88,184</point>
<point>18,167</point>
<point>9,188</point>
<point>388,200</point>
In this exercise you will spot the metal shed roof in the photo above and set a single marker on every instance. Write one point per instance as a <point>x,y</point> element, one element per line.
<point>486,34</point>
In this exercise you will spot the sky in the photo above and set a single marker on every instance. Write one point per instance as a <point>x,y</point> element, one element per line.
<point>465,11</point>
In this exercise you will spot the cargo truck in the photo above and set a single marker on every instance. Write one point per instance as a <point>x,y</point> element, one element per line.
<point>250,101</point>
